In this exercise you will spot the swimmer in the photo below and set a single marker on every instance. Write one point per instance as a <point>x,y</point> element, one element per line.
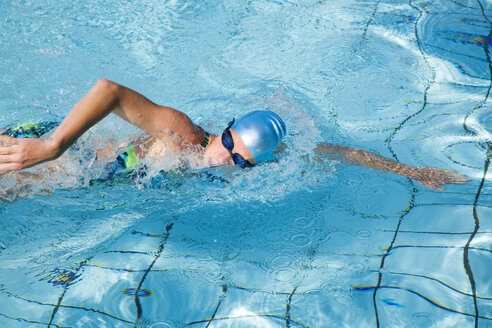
<point>245,142</point>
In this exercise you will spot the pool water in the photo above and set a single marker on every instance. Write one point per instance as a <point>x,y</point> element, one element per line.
<point>290,243</point>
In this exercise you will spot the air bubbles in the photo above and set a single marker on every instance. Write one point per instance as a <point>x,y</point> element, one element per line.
<point>302,222</point>
<point>358,267</point>
<point>275,235</point>
<point>330,276</point>
<point>340,238</point>
<point>422,319</point>
<point>363,234</point>
<point>339,291</point>
<point>283,274</point>
<point>224,253</point>
<point>281,261</point>
<point>341,294</point>
<point>285,269</point>
<point>301,240</point>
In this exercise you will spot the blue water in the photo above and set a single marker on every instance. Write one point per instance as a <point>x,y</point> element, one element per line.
<point>292,243</point>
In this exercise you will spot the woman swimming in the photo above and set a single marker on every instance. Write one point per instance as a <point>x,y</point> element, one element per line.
<point>245,142</point>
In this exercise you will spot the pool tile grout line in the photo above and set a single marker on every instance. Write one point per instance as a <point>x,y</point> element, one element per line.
<point>487,55</point>
<point>388,141</point>
<point>466,261</point>
<point>156,257</point>
<point>257,315</point>
<point>65,289</point>
<point>465,6</point>
<point>428,299</point>
<point>10,294</point>
<point>30,321</point>
<point>455,52</point>
<point>428,278</point>
<point>427,87</point>
<point>381,266</point>
<point>476,219</point>
<point>440,246</point>
<point>439,232</point>
<point>287,308</point>
<point>369,22</point>
<point>363,38</point>
<point>221,298</point>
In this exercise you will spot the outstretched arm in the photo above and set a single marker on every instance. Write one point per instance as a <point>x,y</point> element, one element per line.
<point>104,97</point>
<point>430,177</point>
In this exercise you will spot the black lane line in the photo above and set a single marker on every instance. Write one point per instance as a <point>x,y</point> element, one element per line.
<point>18,319</point>
<point>381,266</point>
<point>65,289</point>
<point>488,145</point>
<point>388,141</point>
<point>427,87</point>
<point>440,282</point>
<point>311,255</point>
<point>465,6</point>
<point>466,261</point>
<point>156,257</point>
<point>221,298</point>
<point>369,22</point>
<point>287,308</point>
<point>10,294</point>
<point>487,55</point>
<point>428,299</point>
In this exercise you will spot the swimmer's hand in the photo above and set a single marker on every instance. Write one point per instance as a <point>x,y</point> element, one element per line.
<point>17,154</point>
<point>434,178</point>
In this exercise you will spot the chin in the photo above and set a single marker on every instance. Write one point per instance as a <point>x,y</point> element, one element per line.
<point>211,162</point>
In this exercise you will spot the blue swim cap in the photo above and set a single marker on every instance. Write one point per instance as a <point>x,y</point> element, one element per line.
<point>261,132</point>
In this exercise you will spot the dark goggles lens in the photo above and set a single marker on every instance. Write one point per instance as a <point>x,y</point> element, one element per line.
<point>228,143</point>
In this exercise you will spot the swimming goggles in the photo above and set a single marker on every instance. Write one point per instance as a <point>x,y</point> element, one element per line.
<point>228,143</point>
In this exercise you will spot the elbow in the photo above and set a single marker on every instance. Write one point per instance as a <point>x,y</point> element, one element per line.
<point>108,86</point>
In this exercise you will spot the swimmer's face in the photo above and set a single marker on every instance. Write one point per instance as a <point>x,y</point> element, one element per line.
<point>217,154</point>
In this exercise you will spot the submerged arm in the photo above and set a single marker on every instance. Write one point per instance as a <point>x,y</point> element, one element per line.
<point>430,177</point>
<point>104,97</point>
<point>20,186</point>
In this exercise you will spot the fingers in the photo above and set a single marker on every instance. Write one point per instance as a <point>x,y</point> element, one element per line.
<point>8,158</point>
<point>432,185</point>
<point>9,154</point>
<point>9,161</point>
<point>433,178</point>
<point>6,167</point>
<point>9,140</point>
<point>453,177</point>
<point>6,150</point>
<point>437,188</point>
<point>458,178</point>
<point>7,145</point>
<point>8,200</point>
